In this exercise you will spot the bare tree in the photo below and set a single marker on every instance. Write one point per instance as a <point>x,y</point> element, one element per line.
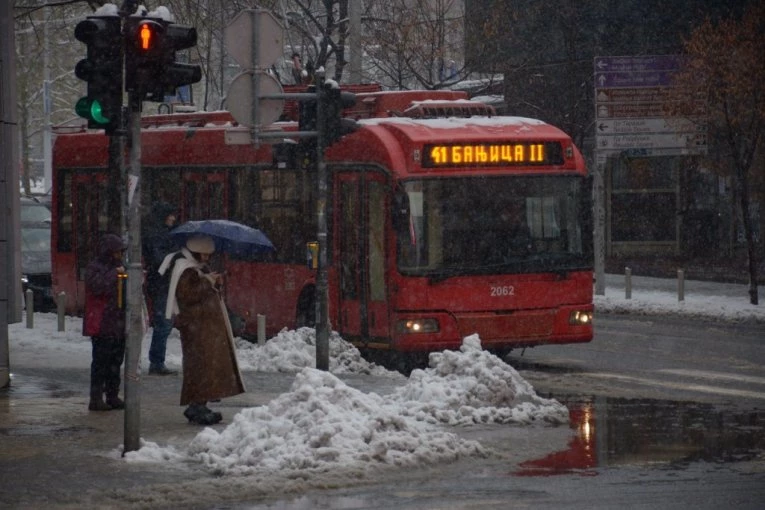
<point>38,29</point>
<point>415,43</point>
<point>724,75</point>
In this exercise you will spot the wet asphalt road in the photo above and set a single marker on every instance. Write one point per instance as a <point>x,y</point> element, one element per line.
<point>665,413</point>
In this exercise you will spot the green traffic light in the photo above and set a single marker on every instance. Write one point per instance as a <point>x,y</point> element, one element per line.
<point>97,113</point>
<point>91,110</point>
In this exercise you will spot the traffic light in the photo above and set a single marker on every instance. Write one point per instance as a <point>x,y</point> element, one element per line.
<point>307,113</point>
<point>150,66</point>
<point>331,123</point>
<point>144,58</point>
<point>335,102</point>
<point>102,70</point>
<point>178,74</point>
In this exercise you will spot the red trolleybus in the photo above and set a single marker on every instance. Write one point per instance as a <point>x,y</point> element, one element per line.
<point>444,221</point>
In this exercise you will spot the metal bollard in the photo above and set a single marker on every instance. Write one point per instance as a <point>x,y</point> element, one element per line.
<point>680,285</point>
<point>29,301</point>
<point>261,329</point>
<point>60,309</point>
<point>627,283</point>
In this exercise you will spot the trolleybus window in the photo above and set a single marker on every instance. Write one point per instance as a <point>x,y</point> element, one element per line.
<point>506,224</point>
<point>160,185</point>
<point>278,203</point>
<point>204,199</point>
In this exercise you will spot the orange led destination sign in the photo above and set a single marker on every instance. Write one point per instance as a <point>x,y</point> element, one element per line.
<point>492,154</point>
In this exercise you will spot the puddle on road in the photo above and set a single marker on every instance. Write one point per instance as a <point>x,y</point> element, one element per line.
<point>26,408</point>
<point>22,387</point>
<point>619,432</point>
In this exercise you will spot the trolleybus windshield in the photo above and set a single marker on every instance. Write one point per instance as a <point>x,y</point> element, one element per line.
<point>494,225</point>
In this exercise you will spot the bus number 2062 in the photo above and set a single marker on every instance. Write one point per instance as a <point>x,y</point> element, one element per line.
<point>502,290</point>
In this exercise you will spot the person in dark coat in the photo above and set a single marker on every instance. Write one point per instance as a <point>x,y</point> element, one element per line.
<point>517,241</point>
<point>157,243</point>
<point>104,322</point>
<point>210,368</point>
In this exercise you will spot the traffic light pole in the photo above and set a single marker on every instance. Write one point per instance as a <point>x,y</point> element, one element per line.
<point>322,280</point>
<point>136,54</point>
<point>135,279</point>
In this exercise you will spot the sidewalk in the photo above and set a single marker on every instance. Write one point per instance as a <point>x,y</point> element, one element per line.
<point>709,300</point>
<point>55,453</point>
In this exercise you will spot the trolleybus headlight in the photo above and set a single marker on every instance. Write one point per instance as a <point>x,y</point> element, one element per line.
<point>409,326</point>
<point>580,318</point>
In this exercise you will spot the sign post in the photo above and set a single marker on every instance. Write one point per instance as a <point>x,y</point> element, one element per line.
<point>263,38</point>
<point>256,99</point>
<point>631,117</point>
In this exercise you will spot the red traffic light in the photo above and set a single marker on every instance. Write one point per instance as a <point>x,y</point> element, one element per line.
<point>146,35</point>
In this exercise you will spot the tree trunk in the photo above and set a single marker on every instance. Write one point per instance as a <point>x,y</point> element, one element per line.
<point>748,234</point>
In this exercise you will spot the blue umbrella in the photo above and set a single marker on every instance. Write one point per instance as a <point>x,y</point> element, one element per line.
<point>229,236</point>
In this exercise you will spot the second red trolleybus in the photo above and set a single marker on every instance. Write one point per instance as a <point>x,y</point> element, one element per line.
<point>444,221</point>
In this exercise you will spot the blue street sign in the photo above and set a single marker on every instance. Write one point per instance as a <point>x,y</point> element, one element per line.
<point>645,63</point>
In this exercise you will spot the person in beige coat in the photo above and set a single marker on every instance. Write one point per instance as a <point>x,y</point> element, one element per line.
<point>210,368</point>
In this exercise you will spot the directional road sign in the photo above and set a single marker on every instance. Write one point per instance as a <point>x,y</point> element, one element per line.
<point>649,125</point>
<point>631,93</point>
<point>688,141</point>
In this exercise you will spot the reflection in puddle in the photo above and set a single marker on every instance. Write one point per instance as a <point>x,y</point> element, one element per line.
<point>617,431</point>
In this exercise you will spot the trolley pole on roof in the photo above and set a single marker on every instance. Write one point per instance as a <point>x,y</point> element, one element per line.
<point>135,279</point>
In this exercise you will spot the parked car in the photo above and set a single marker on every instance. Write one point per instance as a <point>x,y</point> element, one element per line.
<point>34,211</point>
<point>36,253</point>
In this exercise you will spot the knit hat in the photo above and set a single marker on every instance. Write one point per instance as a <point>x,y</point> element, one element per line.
<point>110,243</point>
<point>201,244</point>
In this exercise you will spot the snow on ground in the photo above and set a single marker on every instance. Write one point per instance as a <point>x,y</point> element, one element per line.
<point>657,302</point>
<point>291,350</point>
<point>323,424</point>
<point>474,386</point>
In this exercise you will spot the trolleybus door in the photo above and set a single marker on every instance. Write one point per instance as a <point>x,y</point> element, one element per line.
<point>204,196</point>
<point>359,233</point>
<point>90,220</point>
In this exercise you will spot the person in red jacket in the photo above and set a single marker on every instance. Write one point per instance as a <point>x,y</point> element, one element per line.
<point>104,322</point>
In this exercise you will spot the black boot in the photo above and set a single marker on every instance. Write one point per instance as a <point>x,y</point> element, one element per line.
<point>199,414</point>
<point>97,398</point>
<point>214,416</point>
<point>193,411</point>
<point>115,402</point>
<point>98,405</point>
